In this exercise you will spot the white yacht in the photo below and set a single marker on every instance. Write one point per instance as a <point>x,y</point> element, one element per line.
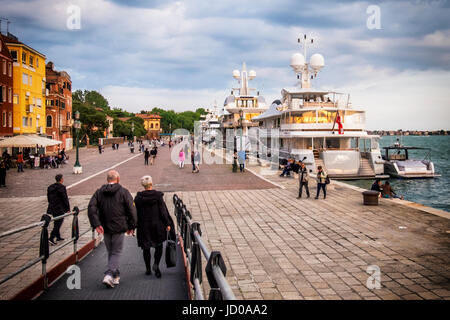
<point>240,107</point>
<point>321,127</point>
<point>399,165</point>
<point>210,125</point>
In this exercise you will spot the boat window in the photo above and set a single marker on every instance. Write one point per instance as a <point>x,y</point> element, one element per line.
<point>354,117</point>
<point>296,103</point>
<point>305,117</point>
<point>325,116</point>
<point>249,116</point>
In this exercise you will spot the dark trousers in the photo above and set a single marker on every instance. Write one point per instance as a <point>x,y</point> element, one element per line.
<point>147,256</point>
<point>20,167</point>
<point>56,227</point>
<point>241,167</point>
<point>322,186</point>
<point>146,161</point>
<point>2,176</point>
<point>305,184</point>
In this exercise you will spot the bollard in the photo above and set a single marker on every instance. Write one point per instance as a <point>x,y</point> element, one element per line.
<point>370,198</point>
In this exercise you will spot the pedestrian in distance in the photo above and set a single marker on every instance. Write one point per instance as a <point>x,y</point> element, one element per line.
<point>153,154</point>
<point>241,157</point>
<point>303,177</point>
<point>3,173</point>
<point>154,224</point>
<point>193,161</point>
<point>321,182</point>
<point>99,149</point>
<point>146,156</point>
<point>112,213</point>
<point>376,186</point>
<point>181,158</point>
<point>20,162</point>
<point>58,205</point>
<point>196,161</point>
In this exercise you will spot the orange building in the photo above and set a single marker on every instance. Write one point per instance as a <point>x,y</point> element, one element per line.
<point>152,123</point>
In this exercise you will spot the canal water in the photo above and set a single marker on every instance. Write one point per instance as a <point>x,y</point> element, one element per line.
<point>430,192</point>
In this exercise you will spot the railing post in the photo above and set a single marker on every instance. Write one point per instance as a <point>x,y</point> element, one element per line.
<point>196,263</point>
<point>215,259</point>
<point>75,232</point>
<point>44,250</point>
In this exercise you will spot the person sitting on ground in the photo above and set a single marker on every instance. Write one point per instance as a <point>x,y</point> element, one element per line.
<point>376,186</point>
<point>388,192</point>
<point>288,168</point>
<point>154,224</point>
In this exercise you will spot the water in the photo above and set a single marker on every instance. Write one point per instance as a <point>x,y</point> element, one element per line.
<point>429,192</point>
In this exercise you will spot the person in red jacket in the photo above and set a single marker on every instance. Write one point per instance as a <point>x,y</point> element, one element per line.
<point>20,162</point>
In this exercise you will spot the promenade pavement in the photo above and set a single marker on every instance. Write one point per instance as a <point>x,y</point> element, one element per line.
<point>278,247</point>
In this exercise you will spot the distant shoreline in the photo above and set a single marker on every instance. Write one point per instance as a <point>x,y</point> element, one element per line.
<point>409,132</point>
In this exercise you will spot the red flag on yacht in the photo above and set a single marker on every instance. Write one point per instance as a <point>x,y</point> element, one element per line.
<point>340,126</point>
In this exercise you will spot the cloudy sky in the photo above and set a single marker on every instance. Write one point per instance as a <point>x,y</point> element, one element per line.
<point>180,54</point>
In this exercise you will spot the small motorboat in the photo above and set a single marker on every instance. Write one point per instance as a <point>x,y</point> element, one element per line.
<point>398,164</point>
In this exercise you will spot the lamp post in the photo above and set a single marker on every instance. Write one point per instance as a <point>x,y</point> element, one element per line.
<point>77,169</point>
<point>241,119</point>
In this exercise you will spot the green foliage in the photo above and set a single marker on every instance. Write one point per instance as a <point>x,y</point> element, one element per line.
<point>87,103</point>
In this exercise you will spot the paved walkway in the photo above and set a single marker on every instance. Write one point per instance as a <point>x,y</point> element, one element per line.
<point>280,247</point>
<point>134,284</point>
<point>276,246</point>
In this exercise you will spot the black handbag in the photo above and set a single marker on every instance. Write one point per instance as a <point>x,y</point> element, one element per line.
<point>171,252</point>
<point>327,180</point>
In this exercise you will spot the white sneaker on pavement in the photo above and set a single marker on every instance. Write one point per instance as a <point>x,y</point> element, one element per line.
<point>108,281</point>
<point>116,280</point>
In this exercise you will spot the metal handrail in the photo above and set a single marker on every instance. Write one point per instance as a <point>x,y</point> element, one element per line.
<point>193,244</point>
<point>44,251</point>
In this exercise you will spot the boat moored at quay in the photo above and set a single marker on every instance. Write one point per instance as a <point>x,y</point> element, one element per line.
<point>320,127</point>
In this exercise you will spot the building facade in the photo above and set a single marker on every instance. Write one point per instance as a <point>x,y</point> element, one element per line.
<point>152,123</point>
<point>6,91</point>
<point>28,87</point>
<point>58,120</point>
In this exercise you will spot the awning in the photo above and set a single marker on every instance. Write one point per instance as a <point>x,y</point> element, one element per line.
<point>28,141</point>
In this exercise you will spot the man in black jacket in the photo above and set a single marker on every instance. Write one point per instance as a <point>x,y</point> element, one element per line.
<point>112,212</point>
<point>58,204</point>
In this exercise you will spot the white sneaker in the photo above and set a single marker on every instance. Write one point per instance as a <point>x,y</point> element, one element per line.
<point>116,281</point>
<point>108,281</point>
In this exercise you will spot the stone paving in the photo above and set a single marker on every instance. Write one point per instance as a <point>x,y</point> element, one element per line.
<point>275,246</point>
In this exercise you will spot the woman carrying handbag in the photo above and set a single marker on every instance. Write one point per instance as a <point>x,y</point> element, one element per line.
<point>154,226</point>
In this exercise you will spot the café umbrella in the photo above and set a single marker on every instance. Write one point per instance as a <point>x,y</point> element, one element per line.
<point>30,141</point>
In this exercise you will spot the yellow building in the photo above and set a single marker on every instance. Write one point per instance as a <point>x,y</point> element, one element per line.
<point>152,123</point>
<point>28,88</point>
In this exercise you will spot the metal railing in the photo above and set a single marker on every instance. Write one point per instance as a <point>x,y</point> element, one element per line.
<point>193,247</point>
<point>44,248</point>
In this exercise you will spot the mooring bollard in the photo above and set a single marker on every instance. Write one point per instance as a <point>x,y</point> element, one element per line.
<point>370,198</point>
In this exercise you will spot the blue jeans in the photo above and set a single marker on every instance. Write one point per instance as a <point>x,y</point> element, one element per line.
<point>19,167</point>
<point>322,186</point>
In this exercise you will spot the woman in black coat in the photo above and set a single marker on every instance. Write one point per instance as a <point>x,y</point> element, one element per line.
<point>153,223</point>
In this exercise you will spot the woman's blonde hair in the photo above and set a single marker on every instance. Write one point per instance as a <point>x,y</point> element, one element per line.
<point>146,181</point>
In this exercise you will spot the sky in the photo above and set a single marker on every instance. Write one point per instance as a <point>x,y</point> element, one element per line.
<point>180,54</point>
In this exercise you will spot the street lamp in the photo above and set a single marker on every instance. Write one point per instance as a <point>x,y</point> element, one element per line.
<point>77,169</point>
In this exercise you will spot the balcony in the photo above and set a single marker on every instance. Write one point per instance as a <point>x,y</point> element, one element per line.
<point>29,108</point>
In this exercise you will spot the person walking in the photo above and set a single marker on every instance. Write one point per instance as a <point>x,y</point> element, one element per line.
<point>197,161</point>
<point>146,156</point>
<point>153,153</point>
<point>154,222</point>
<point>193,161</point>
<point>321,182</point>
<point>241,156</point>
<point>111,212</point>
<point>20,162</point>
<point>181,158</point>
<point>3,173</point>
<point>303,177</point>
<point>100,149</point>
<point>58,204</point>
